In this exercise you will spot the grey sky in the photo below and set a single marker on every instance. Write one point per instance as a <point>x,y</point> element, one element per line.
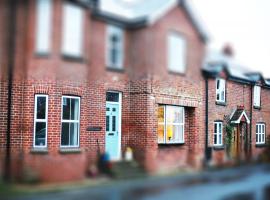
<point>243,23</point>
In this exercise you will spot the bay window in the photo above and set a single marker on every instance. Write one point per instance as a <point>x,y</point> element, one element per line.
<point>171,123</point>
<point>70,121</point>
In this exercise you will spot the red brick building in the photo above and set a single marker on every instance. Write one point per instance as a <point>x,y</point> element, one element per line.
<point>238,99</point>
<point>87,78</point>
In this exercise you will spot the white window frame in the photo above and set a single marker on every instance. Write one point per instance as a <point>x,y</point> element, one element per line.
<point>43,29</point>
<point>70,121</point>
<point>219,134</point>
<point>120,32</point>
<point>260,133</point>
<point>165,123</point>
<point>40,120</point>
<point>181,64</point>
<point>220,90</point>
<point>257,96</point>
<point>72,46</point>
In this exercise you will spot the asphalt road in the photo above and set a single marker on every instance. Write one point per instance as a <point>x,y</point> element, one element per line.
<point>247,183</point>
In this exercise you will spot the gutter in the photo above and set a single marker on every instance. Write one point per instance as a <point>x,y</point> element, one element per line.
<point>207,155</point>
<point>250,125</point>
<point>12,5</point>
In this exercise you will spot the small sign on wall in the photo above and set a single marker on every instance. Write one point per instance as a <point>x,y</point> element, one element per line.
<point>94,128</point>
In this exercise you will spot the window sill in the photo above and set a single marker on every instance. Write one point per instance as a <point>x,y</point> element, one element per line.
<point>218,148</point>
<point>257,107</point>
<point>221,103</point>
<point>67,150</point>
<point>261,145</point>
<point>73,58</point>
<point>39,150</point>
<point>176,73</point>
<point>115,69</point>
<point>42,54</point>
<point>170,144</point>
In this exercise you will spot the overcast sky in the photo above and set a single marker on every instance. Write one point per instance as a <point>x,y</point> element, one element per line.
<point>243,23</point>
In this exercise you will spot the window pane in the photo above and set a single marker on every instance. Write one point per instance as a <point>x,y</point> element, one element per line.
<point>215,128</point>
<point>113,123</point>
<point>74,109</point>
<point>40,134</point>
<point>218,83</point>
<point>260,129</point>
<point>72,30</point>
<point>43,25</point>
<point>65,134</point>
<point>215,138</point>
<point>161,114</point>
<point>66,108</point>
<point>112,97</point>
<point>107,123</point>
<point>257,138</point>
<point>176,53</point>
<point>169,133</point>
<point>219,127</point>
<point>74,130</point>
<point>41,108</point>
<point>161,134</point>
<point>257,131</point>
<point>220,139</point>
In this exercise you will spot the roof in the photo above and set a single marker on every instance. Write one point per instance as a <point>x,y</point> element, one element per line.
<point>216,62</point>
<point>238,115</point>
<point>140,13</point>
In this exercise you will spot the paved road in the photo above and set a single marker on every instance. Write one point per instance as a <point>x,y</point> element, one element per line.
<point>247,183</point>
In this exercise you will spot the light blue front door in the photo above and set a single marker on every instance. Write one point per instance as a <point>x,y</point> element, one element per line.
<point>112,140</point>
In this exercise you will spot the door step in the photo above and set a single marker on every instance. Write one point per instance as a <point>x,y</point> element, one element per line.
<point>127,170</point>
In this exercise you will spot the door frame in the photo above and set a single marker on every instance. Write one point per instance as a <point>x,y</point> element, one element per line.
<point>119,123</point>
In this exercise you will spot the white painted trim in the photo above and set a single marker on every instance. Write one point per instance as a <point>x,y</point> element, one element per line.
<point>239,119</point>
<point>119,124</point>
<point>221,144</point>
<point>76,121</point>
<point>40,120</point>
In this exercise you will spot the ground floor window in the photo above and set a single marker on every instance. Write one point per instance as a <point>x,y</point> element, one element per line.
<point>260,133</point>
<point>171,123</point>
<point>218,127</point>
<point>70,121</point>
<point>40,120</point>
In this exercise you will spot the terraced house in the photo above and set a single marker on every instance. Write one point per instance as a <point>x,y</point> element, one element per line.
<point>83,77</point>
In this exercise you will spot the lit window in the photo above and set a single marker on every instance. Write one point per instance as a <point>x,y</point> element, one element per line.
<point>43,25</point>
<point>115,45</point>
<point>72,30</point>
<point>176,53</point>
<point>171,122</point>
<point>40,121</point>
<point>257,96</point>
<point>218,133</point>
<point>260,133</point>
<point>220,90</point>
<point>70,121</point>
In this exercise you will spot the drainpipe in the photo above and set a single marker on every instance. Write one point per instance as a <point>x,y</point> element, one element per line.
<point>250,125</point>
<point>206,149</point>
<point>11,51</point>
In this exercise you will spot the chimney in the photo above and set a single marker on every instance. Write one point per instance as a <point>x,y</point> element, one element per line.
<point>228,50</point>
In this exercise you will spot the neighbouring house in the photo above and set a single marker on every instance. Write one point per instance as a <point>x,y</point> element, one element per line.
<point>83,77</point>
<point>239,100</point>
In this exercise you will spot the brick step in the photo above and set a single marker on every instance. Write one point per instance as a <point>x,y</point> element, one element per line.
<point>127,170</point>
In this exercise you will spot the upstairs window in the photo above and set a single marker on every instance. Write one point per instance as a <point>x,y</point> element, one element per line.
<point>218,126</point>
<point>43,26</point>
<point>257,96</point>
<point>115,47</point>
<point>40,121</point>
<point>171,123</point>
<point>70,121</point>
<point>176,53</point>
<point>220,90</point>
<point>260,133</point>
<point>72,30</point>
